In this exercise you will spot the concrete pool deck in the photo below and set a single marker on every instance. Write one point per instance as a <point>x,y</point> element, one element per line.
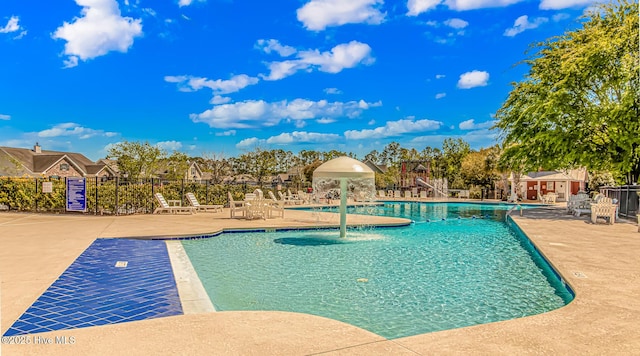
<point>601,263</point>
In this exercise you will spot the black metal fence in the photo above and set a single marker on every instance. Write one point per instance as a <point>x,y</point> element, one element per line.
<point>111,196</point>
<point>627,196</point>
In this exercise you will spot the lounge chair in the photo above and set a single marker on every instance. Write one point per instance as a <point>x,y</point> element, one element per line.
<point>604,208</point>
<point>275,206</point>
<point>579,201</point>
<point>257,209</point>
<point>306,199</point>
<point>165,207</point>
<point>236,207</point>
<point>199,207</point>
<point>289,199</point>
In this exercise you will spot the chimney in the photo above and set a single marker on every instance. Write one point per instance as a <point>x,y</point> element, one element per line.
<point>37,148</point>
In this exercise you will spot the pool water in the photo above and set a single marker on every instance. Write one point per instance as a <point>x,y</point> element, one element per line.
<point>470,268</point>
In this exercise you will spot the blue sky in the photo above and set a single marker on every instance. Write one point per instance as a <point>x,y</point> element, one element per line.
<point>227,76</point>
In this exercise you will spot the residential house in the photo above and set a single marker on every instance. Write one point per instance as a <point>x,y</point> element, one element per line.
<point>191,173</point>
<point>36,162</point>
<point>562,182</point>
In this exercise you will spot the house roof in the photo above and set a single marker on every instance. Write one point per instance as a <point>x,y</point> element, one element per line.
<point>420,168</point>
<point>378,168</point>
<point>579,174</point>
<point>39,162</point>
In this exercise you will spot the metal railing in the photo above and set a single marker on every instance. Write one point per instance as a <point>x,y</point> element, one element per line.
<point>627,196</point>
<point>110,196</point>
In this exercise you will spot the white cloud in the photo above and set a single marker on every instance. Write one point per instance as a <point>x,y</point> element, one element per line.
<point>5,117</point>
<point>461,5</point>
<point>217,100</point>
<point>268,46</point>
<point>471,125</point>
<point>416,7</point>
<point>440,95</point>
<point>302,137</point>
<point>73,129</point>
<point>248,142</point>
<point>394,128</point>
<point>287,138</point>
<point>150,11</point>
<point>20,35</point>
<point>226,133</point>
<point>563,4</point>
<point>332,91</point>
<point>190,83</point>
<point>476,139</point>
<point>560,17</point>
<point>70,62</point>
<point>99,31</point>
<point>258,113</point>
<point>522,24</point>
<point>316,15</point>
<point>182,3</point>
<point>345,55</point>
<point>326,120</point>
<point>473,79</point>
<point>456,23</point>
<point>11,26</point>
<point>440,76</point>
<point>169,145</point>
<point>371,122</point>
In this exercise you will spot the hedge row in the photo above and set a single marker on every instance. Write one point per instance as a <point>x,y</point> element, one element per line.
<point>110,196</point>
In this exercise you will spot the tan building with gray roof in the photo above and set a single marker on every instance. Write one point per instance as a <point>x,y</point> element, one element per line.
<point>36,162</point>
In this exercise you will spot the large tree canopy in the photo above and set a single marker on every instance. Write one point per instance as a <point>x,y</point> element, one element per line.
<point>579,103</point>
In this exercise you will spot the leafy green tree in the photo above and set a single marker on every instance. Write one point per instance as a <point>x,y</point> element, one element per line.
<point>436,161</point>
<point>308,157</point>
<point>579,104</point>
<point>176,165</point>
<point>391,154</point>
<point>479,168</point>
<point>136,159</point>
<point>284,160</point>
<point>308,169</point>
<point>409,154</point>
<point>329,155</point>
<point>217,165</point>
<point>453,152</point>
<point>259,163</point>
<point>373,156</point>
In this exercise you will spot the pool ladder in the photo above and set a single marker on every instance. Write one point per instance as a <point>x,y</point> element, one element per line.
<point>517,206</point>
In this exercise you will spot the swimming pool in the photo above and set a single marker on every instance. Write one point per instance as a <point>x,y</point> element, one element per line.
<point>470,268</point>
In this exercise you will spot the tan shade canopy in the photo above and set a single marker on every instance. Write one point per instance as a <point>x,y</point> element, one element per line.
<point>343,167</point>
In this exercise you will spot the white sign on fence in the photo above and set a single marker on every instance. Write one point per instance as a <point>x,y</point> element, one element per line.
<point>47,187</point>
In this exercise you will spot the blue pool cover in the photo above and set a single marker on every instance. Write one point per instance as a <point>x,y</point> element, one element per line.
<point>93,291</point>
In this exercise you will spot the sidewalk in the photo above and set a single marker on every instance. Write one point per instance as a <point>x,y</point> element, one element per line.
<point>599,261</point>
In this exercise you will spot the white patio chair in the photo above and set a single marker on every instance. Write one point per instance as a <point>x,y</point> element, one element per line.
<point>276,207</point>
<point>603,209</point>
<point>236,207</point>
<point>165,207</point>
<point>191,198</point>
